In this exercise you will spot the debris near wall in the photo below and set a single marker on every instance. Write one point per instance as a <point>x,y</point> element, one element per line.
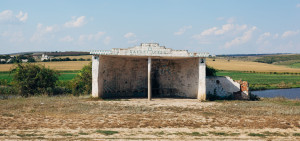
<point>243,94</point>
<point>226,87</point>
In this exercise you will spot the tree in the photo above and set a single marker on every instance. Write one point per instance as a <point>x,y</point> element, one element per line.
<point>210,71</point>
<point>33,79</point>
<point>82,83</point>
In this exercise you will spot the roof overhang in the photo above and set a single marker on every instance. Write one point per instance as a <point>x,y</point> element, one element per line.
<point>149,49</point>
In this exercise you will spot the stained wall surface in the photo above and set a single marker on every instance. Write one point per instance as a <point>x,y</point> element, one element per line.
<point>221,85</point>
<point>127,77</point>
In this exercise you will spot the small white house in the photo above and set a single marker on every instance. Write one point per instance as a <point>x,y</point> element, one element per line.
<point>45,57</point>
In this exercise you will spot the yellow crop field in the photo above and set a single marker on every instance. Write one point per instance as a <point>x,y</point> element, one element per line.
<point>237,65</point>
<point>76,57</point>
<point>60,66</point>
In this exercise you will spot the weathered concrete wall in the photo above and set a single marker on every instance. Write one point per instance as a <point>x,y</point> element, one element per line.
<point>175,78</point>
<point>127,77</point>
<point>123,77</point>
<point>221,85</point>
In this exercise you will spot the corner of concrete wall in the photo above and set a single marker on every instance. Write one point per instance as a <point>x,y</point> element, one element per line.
<point>95,73</point>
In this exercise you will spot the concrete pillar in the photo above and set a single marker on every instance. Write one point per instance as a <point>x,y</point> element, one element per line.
<point>95,74</point>
<point>202,82</point>
<point>149,78</point>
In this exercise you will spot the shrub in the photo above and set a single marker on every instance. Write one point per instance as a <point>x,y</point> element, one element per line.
<point>33,79</point>
<point>82,83</point>
<point>210,71</point>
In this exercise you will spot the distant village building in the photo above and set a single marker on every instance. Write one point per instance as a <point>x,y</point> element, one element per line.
<point>3,60</point>
<point>150,70</point>
<point>45,57</point>
<point>24,60</point>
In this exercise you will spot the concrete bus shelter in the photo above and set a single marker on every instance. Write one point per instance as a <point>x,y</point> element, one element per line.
<point>148,70</point>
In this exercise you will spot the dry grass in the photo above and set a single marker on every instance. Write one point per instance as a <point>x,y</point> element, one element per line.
<point>72,117</point>
<point>237,65</point>
<point>60,66</point>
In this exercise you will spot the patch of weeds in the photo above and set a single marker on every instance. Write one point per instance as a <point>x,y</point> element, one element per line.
<point>1,134</point>
<point>296,134</point>
<point>83,133</point>
<point>224,134</point>
<point>7,115</point>
<point>208,113</point>
<point>159,133</point>
<point>65,134</point>
<point>107,132</point>
<point>191,134</point>
<point>26,135</point>
<point>267,133</point>
<point>256,135</point>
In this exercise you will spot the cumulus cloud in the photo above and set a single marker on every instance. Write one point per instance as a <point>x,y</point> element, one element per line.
<point>242,39</point>
<point>182,30</point>
<point>66,39</point>
<point>107,40</point>
<point>129,35</point>
<point>263,36</point>
<point>88,37</point>
<point>289,33</point>
<point>13,36</point>
<point>8,16</point>
<point>22,16</point>
<point>42,31</point>
<point>224,29</point>
<point>76,22</point>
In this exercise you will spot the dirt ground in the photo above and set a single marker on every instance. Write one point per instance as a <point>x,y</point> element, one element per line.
<point>83,118</point>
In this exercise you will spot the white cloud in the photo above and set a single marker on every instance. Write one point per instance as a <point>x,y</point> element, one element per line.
<point>107,40</point>
<point>129,35</point>
<point>289,33</point>
<point>182,30</point>
<point>13,36</point>
<point>97,36</point>
<point>22,16</point>
<point>76,22</point>
<point>231,20</point>
<point>42,31</point>
<point>7,16</point>
<point>242,39</point>
<point>132,41</point>
<point>263,36</point>
<point>66,39</point>
<point>209,31</point>
<point>225,28</point>
<point>298,5</point>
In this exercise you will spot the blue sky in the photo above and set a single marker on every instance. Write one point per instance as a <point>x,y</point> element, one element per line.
<point>217,27</point>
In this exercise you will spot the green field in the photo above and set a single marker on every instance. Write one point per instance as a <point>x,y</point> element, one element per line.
<point>295,65</point>
<point>259,81</point>
<point>64,75</point>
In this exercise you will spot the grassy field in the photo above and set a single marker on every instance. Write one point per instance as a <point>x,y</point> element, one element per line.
<point>60,66</point>
<point>64,75</point>
<point>259,81</point>
<point>237,65</point>
<point>83,118</point>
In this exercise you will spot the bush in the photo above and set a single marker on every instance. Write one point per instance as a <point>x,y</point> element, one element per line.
<point>82,83</point>
<point>33,79</point>
<point>210,71</point>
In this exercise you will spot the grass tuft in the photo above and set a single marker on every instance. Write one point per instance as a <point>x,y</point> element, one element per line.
<point>107,132</point>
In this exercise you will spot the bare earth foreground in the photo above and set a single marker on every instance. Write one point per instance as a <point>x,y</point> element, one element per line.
<point>83,118</point>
